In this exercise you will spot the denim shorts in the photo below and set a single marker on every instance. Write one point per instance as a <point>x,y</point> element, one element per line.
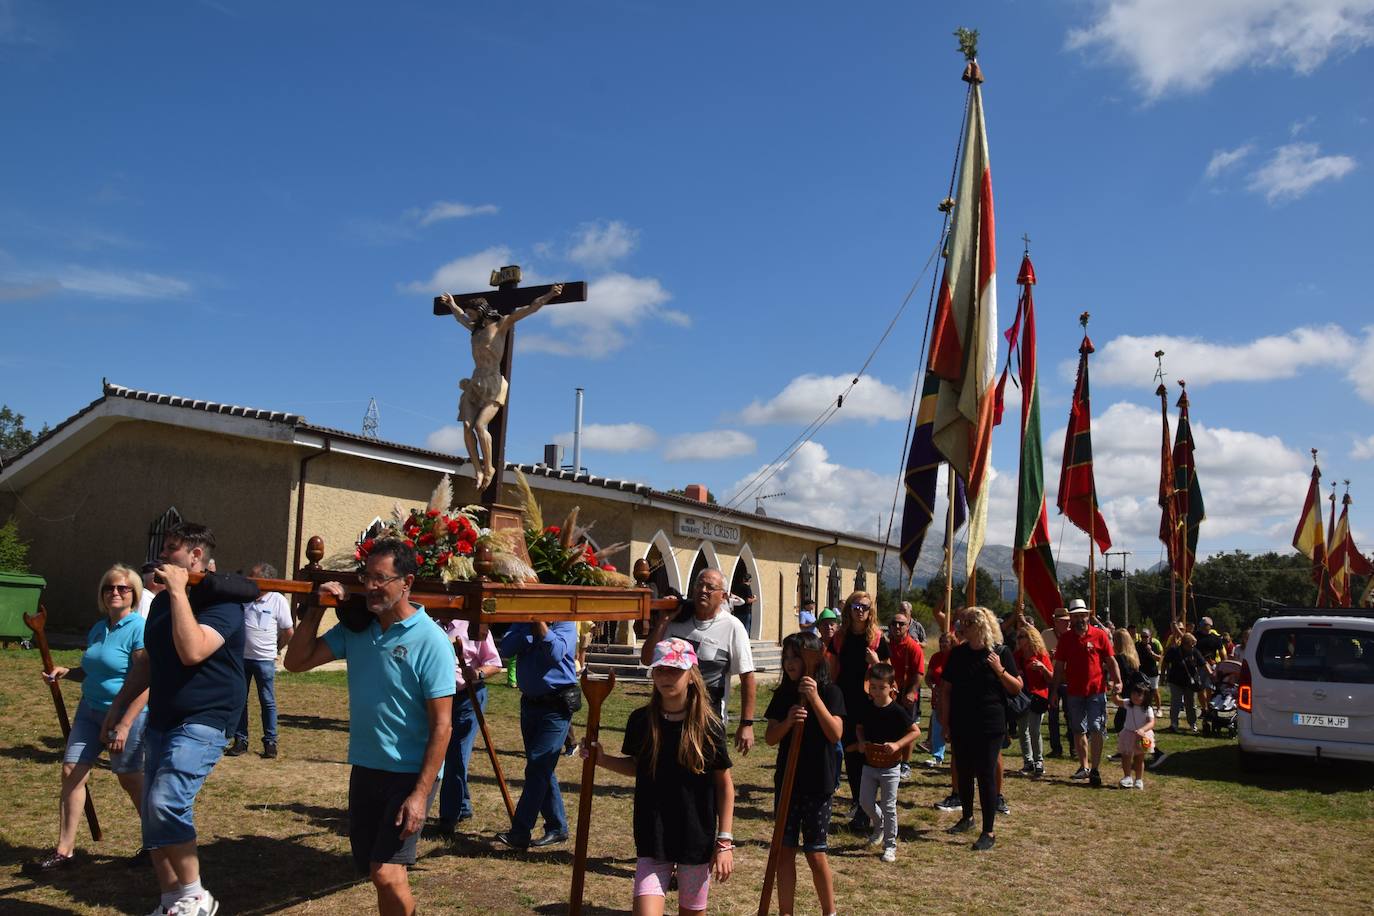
<point>1086,714</point>
<point>176,764</point>
<point>85,743</point>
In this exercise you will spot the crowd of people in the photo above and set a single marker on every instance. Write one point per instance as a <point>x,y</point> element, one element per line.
<point>168,664</point>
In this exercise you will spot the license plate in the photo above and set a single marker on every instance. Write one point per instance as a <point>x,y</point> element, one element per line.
<point>1302,718</point>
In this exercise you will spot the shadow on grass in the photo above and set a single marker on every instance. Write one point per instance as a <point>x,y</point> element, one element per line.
<point>49,752</point>
<point>475,846</point>
<point>312,723</point>
<point>335,820</point>
<point>589,909</point>
<point>250,874</point>
<point>1221,763</point>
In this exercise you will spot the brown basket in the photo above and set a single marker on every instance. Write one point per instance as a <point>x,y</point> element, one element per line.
<point>880,759</point>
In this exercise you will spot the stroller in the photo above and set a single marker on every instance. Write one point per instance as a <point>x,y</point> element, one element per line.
<point>1219,715</point>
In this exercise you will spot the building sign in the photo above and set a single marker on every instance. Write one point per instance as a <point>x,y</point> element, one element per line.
<point>694,526</point>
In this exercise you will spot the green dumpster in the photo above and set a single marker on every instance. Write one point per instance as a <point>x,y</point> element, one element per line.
<point>19,595</point>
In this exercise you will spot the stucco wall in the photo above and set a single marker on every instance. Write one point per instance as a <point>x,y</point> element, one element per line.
<point>95,508</point>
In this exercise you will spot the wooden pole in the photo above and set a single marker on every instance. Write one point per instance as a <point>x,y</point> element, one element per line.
<point>471,687</point>
<point>810,660</point>
<point>949,548</point>
<point>37,623</point>
<point>1092,558</point>
<point>1020,582</point>
<point>596,691</point>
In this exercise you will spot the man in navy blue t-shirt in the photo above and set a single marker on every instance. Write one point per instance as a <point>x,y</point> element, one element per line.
<point>194,676</point>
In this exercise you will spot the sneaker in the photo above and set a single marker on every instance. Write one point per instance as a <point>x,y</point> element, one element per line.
<point>1193,728</point>
<point>906,771</point>
<point>1039,771</point>
<point>1081,773</point>
<point>1002,806</point>
<point>1027,768</point>
<point>934,762</point>
<point>874,838</point>
<point>952,802</point>
<point>1095,779</point>
<point>52,862</point>
<point>984,843</point>
<point>1140,783</point>
<point>237,748</point>
<point>202,904</point>
<point>963,826</point>
<point>269,750</point>
<point>889,854</point>
<point>1127,782</point>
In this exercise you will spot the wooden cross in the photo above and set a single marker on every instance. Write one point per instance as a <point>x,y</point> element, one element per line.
<point>507,297</point>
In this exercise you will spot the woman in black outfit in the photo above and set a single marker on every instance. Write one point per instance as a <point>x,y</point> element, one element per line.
<point>858,644</point>
<point>979,676</point>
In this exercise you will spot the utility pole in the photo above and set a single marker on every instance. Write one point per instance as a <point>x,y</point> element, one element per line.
<point>1125,586</point>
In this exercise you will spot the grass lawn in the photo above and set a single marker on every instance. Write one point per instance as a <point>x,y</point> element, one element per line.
<point>1296,838</point>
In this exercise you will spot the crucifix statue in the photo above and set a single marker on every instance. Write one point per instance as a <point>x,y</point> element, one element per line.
<point>491,319</point>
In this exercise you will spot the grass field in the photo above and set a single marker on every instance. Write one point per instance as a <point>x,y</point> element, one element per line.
<point>1200,839</point>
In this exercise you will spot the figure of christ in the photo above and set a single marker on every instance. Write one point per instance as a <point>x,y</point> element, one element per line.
<point>484,394</point>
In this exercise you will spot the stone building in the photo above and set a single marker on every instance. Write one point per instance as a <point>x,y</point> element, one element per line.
<point>102,485</point>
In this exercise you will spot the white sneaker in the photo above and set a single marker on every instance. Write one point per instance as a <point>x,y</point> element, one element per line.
<point>1127,782</point>
<point>202,904</point>
<point>889,854</point>
<point>1140,783</point>
<point>875,837</point>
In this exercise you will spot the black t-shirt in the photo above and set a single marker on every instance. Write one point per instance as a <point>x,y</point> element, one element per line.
<point>1181,665</point>
<point>212,692</point>
<point>885,723</point>
<point>1148,666</point>
<point>1210,645</point>
<point>816,770</point>
<point>977,700</point>
<point>675,809</point>
<point>853,678</point>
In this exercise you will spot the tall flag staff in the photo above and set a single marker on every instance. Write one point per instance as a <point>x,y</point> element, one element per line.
<point>1077,489</point>
<point>1333,588</point>
<point>963,348</point>
<point>1308,537</point>
<point>1188,507</point>
<point>1346,560</point>
<point>1032,554</point>
<point>1168,510</point>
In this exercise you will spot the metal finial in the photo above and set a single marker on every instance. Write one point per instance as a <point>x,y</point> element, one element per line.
<point>1025,237</point>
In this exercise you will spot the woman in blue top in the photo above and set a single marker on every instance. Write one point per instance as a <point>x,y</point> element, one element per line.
<point>110,646</point>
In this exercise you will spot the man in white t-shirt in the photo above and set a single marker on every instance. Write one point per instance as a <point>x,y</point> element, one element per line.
<point>267,626</point>
<point>721,644</point>
<point>151,586</point>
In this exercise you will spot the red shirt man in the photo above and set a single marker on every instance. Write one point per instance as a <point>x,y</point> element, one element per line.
<point>1082,652</point>
<point>908,661</point>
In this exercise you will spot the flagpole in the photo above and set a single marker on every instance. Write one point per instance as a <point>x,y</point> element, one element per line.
<point>1020,582</point>
<point>1092,559</point>
<point>949,547</point>
<point>1171,548</point>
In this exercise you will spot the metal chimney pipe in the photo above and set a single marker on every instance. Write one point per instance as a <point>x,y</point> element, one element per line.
<point>577,435</point>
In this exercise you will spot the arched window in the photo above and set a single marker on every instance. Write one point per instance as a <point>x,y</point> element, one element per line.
<point>832,585</point>
<point>157,531</point>
<point>860,578</point>
<point>804,580</point>
<point>700,564</point>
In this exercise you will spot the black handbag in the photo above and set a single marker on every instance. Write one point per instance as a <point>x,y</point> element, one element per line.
<point>1018,704</point>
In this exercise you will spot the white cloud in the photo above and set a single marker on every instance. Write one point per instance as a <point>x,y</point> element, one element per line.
<point>825,494</point>
<point>448,439</point>
<point>1360,370</point>
<point>616,303</point>
<point>466,274</point>
<point>114,284</point>
<point>711,445</point>
<point>1185,45</point>
<point>1129,360</point>
<point>1363,449</point>
<point>1301,125</point>
<point>803,399</point>
<point>1252,484</point>
<point>1223,159</point>
<point>612,437</point>
<point>451,209</point>
<point>1296,169</point>
<point>597,244</point>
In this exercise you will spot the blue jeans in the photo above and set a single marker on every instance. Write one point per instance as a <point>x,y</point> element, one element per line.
<point>937,739</point>
<point>455,801</point>
<point>543,728</point>
<point>84,744</point>
<point>265,673</point>
<point>175,766</point>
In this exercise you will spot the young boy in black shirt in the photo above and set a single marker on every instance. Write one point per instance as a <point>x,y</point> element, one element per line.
<point>885,731</point>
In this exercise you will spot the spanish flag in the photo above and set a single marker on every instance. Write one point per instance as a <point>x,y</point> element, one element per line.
<point>1309,538</point>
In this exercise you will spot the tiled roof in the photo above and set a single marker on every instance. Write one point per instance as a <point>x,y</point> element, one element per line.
<point>172,400</point>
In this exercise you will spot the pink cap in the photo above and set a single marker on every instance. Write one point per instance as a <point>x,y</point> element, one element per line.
<point>674,653</point>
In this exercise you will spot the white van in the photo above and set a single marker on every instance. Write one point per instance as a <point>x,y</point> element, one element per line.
<point>1307,686</point>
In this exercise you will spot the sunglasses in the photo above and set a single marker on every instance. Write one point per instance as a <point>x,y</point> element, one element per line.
<point>121,589</point>
<point>861,607</point>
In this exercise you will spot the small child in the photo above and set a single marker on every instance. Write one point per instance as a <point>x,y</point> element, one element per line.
<point>885,731</point>
<point>676,750</point>
<point>1137,735</point>
<point>814,705</point>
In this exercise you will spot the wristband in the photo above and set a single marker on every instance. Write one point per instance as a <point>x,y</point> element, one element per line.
<point>724,836</point>
<point>749,722</point>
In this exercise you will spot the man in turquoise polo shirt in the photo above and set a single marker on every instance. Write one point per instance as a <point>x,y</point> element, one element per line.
<point>400,703</point>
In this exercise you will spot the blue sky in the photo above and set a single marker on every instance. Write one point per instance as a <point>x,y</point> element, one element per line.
<point>255,202</point>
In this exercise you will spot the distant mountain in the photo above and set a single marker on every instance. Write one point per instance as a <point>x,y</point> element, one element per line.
<point>995,559</point>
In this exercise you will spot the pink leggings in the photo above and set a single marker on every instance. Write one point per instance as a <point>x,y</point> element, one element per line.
<point>693,882</point>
